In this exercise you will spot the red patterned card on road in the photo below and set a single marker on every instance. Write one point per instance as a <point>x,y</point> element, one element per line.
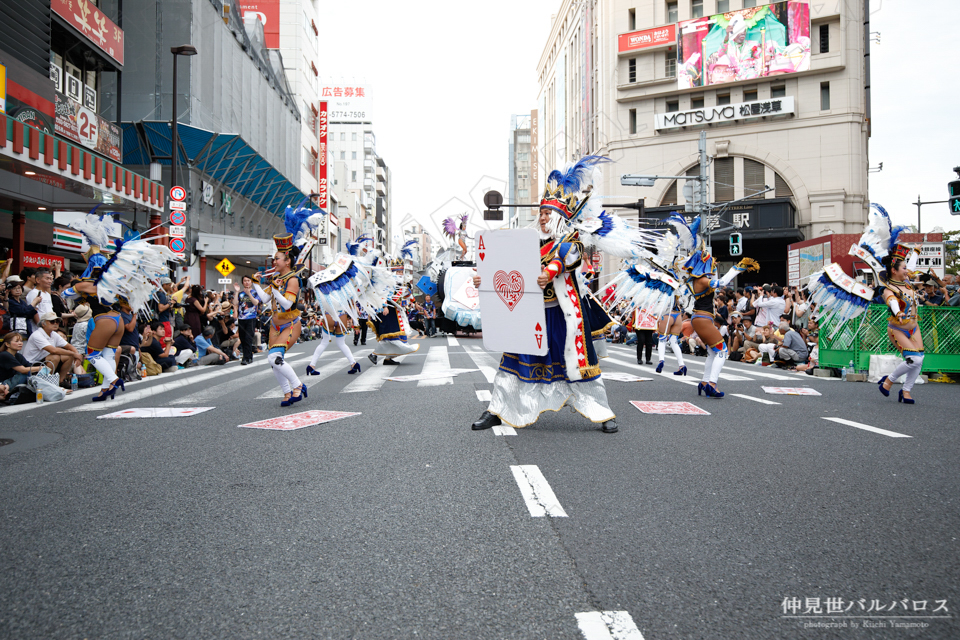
<point>298,420</point>
<point>791,391</point>
<point>669,408</point>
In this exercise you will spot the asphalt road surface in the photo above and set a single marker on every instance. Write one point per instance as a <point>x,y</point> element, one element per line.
<point>772,516</point>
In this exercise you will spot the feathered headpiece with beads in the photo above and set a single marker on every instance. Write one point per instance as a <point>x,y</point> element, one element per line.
<point>564,190</point>
<point>299,222</point>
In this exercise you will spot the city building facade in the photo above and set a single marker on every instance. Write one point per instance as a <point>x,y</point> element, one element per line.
<point>780,88</point>
<point>519,170</point>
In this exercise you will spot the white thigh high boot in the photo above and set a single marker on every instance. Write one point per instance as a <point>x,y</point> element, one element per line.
<point>345,350</point>
<point>708,365</point>
<point>910,367</point>
<point>662,348</point>
<point>675,347</point>
<point>106,366</point>
<point>718,361</point>
<point>320,349</point>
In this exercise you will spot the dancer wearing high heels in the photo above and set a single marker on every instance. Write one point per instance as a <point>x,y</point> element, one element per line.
<point>702,282</point>
<point>126,281</point>
<point>282,293</point>
<point>903,326</point>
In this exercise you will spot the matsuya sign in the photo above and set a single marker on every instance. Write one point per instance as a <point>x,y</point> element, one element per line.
<point>725,113</point>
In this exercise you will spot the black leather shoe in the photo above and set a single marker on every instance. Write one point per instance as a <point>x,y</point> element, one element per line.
<point>486,421</point>
<point>390,361</point>
<point>610,426</point>
<point>373,358</point>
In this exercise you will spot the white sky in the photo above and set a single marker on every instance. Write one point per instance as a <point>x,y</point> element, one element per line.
<point>445,77</point>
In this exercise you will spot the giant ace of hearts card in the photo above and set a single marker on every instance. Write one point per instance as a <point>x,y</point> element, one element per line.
<point>511,301</point>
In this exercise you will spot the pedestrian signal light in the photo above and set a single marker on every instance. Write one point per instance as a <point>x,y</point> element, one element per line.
<point>953,189</point>
<point>736,244</point>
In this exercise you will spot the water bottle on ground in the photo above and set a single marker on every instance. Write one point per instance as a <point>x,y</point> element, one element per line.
<point>850,368</point>
<point>39,394</point>
<point>843,374</point>
<point>73,382</point>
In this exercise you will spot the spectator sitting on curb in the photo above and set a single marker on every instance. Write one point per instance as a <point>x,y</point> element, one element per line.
<point>155,345</point>
<point>14,368</point>
<point>767,346</point>
<point>186,347</point>
<point>793,351</point>
<point>207,353</point>
<point>40,296</point>
<point>46,345</point>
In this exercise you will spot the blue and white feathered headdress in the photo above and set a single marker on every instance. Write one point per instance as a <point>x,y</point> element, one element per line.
<point>563,192</point>
<point>354,247</point>
<point>94,229</point>
<point>302,220</point>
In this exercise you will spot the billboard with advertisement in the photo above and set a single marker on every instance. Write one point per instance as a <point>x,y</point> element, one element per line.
<point>93,24</point>
<point>79,124</point>
<point>322,126</point>
<point>636,40</point>
<point>748,44</point>
<point>347,101</point>
<point>268,11</point>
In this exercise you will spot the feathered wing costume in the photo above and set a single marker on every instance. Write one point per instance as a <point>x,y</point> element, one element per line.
<point>457,231</point>
<point>840,297</point>
<point>132,273</point>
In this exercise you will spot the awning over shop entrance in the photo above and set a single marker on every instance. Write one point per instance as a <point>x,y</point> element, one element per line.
<point>224,157</point>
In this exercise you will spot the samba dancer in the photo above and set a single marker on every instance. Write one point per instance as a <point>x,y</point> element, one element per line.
<point>126,281</point>
<point>282,295</point>
<point>903,327</point>
<point>334,330</point>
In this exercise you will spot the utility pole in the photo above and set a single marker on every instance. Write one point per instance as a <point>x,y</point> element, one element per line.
<point>702,207</point>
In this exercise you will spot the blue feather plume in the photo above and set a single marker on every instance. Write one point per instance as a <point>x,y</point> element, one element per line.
<point>572,179</point>
<point>406,251</point>
<point>295,220</point>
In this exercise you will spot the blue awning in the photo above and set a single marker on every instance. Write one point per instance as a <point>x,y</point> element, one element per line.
<point>224,157</point>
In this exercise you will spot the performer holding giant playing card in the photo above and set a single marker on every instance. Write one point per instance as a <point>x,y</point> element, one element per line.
<point>527,385</point>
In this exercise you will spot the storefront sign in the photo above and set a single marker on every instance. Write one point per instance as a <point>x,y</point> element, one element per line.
<point>931,258</point>
<point>322,156</point>
<point>36,260</point>
<point>3,89</point>
<point>725,113</point>
<point>647,38</point>
<point>90,22</point>
<point>346,103</point>
<point>79,124</point>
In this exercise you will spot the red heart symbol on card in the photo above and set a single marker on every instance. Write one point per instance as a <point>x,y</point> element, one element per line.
<point>481,253</point>
<point>509,286</point>
<point>472,292</point>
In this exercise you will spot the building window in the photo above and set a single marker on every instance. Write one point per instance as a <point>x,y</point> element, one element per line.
<point>778,91</point>
<point>523,194</point>
<point>696,103</point>
<point>824,38</point>
<point>670,197</point>
<point>673,105</point>
<point>523,137</point>
<point>632,19</point>
<point>723,6</point>
<point>633,120</point>
<point>749,3</point>
<point>824,96</point>
<point>697,8</point>
<point>672,12</point>
<point>343,138</point>
<point>781,188</point>
<point>753,178</point>
<point>723,99</point>
<point>723,179</point>
<point>670,65</point>
<point>353,175</point>
<point>353,137</point>
<point>353,155</point>
<point>343,155</point>
<point>632,70</point>
<point>750,96</point>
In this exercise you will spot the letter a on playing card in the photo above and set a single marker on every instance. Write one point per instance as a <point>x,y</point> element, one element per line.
<point>511,301</point>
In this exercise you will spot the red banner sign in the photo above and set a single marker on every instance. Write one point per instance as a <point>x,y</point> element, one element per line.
<point>268,11</point>
<point>647,38</point>
<point>322,156</point>
<point>36,260</point>
<point>85,17</point>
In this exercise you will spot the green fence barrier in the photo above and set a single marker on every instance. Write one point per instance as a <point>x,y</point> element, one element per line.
<point>865,336</point>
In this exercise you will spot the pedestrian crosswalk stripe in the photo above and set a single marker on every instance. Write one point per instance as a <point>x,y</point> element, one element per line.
<point>483,395</point>
<point>436,360</point>
<point>371,379</point>
<point>866,427</point>
<point>760,400</point>
<point>484,361</point>
<point>608,625</point>
<point>536,491</point>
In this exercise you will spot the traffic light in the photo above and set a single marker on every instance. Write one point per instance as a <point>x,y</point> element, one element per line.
<point>953,189</point>
<point>736,244</point>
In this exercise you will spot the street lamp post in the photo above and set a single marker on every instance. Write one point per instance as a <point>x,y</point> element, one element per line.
<point>182,50</point>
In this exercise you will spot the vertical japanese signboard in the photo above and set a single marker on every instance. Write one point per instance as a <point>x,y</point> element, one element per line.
<point>322,156</point>
<point>535,154</point>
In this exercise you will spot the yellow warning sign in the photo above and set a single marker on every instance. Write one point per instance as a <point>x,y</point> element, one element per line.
<point>225,267</point>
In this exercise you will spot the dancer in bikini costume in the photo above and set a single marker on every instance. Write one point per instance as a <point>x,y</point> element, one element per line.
<point>126,281</point>
<point>283,293</point>
<point>841,298</point>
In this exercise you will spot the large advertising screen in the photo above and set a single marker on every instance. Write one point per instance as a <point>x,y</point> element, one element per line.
<point>748,44</point>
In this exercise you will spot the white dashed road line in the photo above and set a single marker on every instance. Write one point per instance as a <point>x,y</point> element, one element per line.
<point>486,363</point>
<point>866,427</point>
<point>504,431</point>
<point>483,395</point>
<point>608,625</point>
<point>760,400</point>
<point>536,491</point>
